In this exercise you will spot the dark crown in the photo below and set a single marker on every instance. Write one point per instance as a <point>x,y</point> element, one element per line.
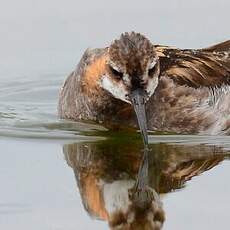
<point>132,52</point>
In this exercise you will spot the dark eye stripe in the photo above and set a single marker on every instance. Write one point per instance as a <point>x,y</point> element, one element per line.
<point>116,73</point>
<point>152,70</point>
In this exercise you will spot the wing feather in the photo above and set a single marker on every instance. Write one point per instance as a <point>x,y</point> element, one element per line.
<point>209,67</point>
<point>221,47</point>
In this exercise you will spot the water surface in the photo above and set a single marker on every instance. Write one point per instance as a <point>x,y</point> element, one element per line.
<point>55,174</point>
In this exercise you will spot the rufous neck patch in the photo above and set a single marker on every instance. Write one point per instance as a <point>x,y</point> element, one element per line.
<point>94,71</point>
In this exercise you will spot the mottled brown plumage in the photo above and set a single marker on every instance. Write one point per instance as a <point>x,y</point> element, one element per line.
<point>208,67</point>
<point>190,84</point>
<point>132,53</point>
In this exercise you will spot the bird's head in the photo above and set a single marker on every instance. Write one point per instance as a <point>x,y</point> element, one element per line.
<point>132,71</point>
<point>132,65</point>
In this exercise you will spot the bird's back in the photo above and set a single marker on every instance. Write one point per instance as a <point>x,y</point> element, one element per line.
<point>179,108</point>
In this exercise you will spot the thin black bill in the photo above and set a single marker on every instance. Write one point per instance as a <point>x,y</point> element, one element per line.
<point>138,98</point>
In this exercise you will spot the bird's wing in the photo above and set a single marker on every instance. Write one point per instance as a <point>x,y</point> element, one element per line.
<point>177,176</point>
<point>178,173</point>
<point>209,67</point>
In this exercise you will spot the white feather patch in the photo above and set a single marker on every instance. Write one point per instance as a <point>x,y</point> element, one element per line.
<point>217,94</point>
<point>117,89</point>
<point>152,64</point>
<point>152,85</point>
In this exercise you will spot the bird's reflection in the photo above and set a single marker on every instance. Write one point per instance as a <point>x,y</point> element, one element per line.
<point>123,185</point>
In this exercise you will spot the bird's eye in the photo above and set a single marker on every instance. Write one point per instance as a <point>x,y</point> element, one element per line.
<point>152,70</point>
<point>116,73</point>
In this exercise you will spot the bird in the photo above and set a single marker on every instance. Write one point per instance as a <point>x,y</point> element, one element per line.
<point>136,83</point>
